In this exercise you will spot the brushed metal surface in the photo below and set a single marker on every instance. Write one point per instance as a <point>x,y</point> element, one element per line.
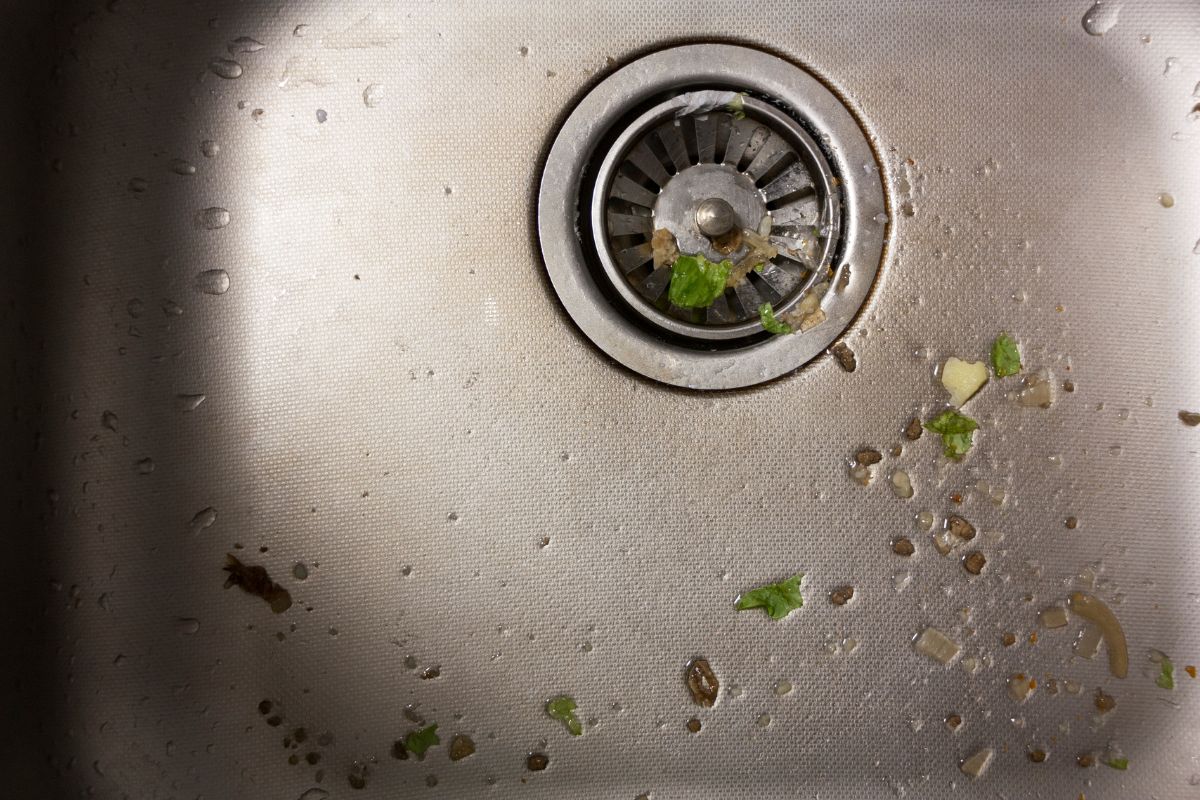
<point>393,397</point>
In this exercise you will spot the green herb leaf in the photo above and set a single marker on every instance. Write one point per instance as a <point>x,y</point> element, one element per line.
<point>562,708</point>
<point>779,599</point>
<point>1118,763</point>
<point>737,106</point>
<point>759,268</point>
<point>1006,359</point>
<point>956,430</point>
<point>1166,674</point>
<point>766,315</point>
<point>696,282</point>
<point>417,742</point>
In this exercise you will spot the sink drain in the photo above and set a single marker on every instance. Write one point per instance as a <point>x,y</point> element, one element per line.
<point>726,153</point>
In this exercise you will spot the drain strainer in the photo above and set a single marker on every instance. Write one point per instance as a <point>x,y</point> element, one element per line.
<point>725,153</point>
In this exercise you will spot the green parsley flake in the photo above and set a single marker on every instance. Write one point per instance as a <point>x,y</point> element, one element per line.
<point>766,316</point>
<point>696,282</point>
<point>779,599</point>
<point>1166,675</point>
<point>1118,763</point>
<point>956,430</point>
<point>417,742</point>
<point>1006,359</point>
<point>562,708</point>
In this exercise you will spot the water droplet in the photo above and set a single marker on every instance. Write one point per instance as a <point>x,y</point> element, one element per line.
<point>102,601</point>
<point>406,570</point>
<point>171,308</point>
<point>209,148</point>
<point>135,307</point>
<point>109,420</point>
<point>144,466</point>
<point>225,68</point>
<point>203,519</point>
<point>187,626</point>
<point>1171,66</point>
<point>372,95</point>
<point>300,30</point>
<point>213,218</point>
<point>764,720</point>
<point>1145,38</point>
<point>1196,248</point>
<point>452,516</point>
<point>189,402</point>
<point>783,687</point>
<point>1115,450</point>
<point>138,185</point>
<point>1166,200</point>
<point>1100,18</point>
<point>881,217</point>
<point>244,44</point>
<point>523,50</point>
<point>181,167</point>
<point>213,281</point>
<point>300,571</point>
<point>322,115</point>
<point>119,659</point>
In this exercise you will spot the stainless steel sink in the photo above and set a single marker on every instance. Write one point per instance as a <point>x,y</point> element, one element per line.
<point>277,291</point>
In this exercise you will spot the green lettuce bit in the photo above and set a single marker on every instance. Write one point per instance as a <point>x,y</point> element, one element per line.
<point>562,708</point>
<point>956,431</point>
<point>737,106</point>
<point>1118,763</point>
<point>779,599</point>
<point>1166,674</point>
<point>696,282</point>
<point>766,315</point>
<point>1006,359</point>
<point>417,742</point>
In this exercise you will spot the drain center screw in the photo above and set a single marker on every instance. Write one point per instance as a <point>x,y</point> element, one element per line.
<point>715,217</point>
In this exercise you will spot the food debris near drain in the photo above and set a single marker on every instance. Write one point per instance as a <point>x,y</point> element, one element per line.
<point>461,746</point>
<point>1006,359</point>
<point>963,379</point>
<point>845,356</point>
<point>702,682</point>
<point>255,580</point>
<point>697,282</point>
<point>956,431</point>
<point>766,316</point>
<point>562,708</point>
<point>1190,418</point>
<point>419,741</point>
<point>778,599</point>
<point>1166,674</point>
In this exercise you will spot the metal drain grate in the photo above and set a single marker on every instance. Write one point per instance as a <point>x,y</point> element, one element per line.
<point>751,160</point>
<point>756,170</point>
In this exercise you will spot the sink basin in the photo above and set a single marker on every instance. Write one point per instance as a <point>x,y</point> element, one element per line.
<point>279,296</point>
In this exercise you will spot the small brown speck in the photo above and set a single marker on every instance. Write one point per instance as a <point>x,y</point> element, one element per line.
<point>960,528</point>
<point>399,750</point>
<point>1104,702</point>
<point>974,562</point>
<point>429,673</point>
<point>1190,418</point>
<point>702,682</point>
<point>867,457</point>
<point>300,735</point>
<point>841,595</point>
<point>912,431</point>
<point>1071,523</point>
<point>545,542</point>
<point>275,721</point>
<point>293,759</point>
<point>265,707</point>
<point>845,356</point>
<point>536,762</point>
<point>953,722</point>
<point>1008,639</point>
<point>1068,386</point>
<point>312,758</point>
<point>903,546</point>
<point>896,451</point>
<point>693,725</point>
<point>1085,760</point>
<point>956,498</point>
<point>1037,756</point>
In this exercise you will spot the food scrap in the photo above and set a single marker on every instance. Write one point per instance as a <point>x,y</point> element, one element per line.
<point>1190,418</point>
<point>778,599</point>
<point>702,682</point>
<point>255,580</point>
<point>536,762</point>
<point>963,379</point>
<point>937,645</point>
<point>1093,610</point>
<point>697,282</point>
<point>1166,674</point>
<point>1006,359</point>
<point>977,764</point>
<point>956,431</point>
<point>766,315</point>
<point>841,595</point>
<point>562,708</point>
<point>461,746</point>
<point>845,356</point>
<point>1121,763</point>
<point>419,741</point>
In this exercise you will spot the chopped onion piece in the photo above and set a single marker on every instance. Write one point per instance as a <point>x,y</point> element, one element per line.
<point>977,764</point>
<point>1093,610</point>
<point>1054,617</point>
<point>1021,686</point>
<point>937,645</point>
<point>902,484</point>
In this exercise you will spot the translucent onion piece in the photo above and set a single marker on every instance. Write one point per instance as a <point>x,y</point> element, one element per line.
<point>1093,610</point>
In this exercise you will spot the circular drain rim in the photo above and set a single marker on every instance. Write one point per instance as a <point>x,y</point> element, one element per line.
<point>827,198</point>
<point>677,69</point>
